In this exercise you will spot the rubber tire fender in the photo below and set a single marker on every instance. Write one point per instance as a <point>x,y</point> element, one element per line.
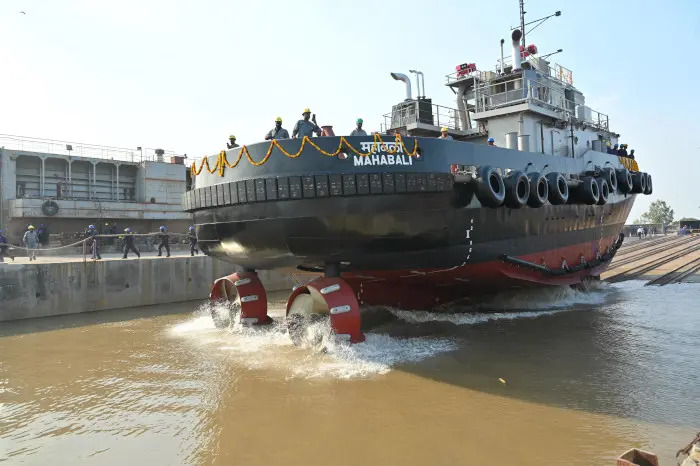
<point>539,190</point>
<point>558,189</point>
<point>624,180</point>
<point>603,191</point>
<point>517,190</point>
<point>650,186</point>
<point>608,174</point>
<point>638,183</point>
<point>588,191</point>
<point>490,189</point>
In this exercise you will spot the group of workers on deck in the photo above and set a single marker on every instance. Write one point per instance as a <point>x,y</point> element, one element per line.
<point>620,150</point>
<point>31,242</point>
<point>306,127</point>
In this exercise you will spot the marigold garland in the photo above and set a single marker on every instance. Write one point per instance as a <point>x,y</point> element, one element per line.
<point>222,163</point>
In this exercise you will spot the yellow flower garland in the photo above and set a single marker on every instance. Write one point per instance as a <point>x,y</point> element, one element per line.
<point>222,163</point>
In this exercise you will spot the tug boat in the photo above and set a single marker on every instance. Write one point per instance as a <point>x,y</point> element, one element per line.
<point>402,218</point>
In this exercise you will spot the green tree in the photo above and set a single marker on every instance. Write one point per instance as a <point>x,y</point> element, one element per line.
<point>659,212</point>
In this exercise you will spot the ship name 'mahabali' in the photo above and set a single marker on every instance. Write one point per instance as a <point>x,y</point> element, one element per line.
<point>381,156</point>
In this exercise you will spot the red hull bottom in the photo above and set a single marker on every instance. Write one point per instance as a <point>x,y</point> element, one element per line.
<point>427,288</point>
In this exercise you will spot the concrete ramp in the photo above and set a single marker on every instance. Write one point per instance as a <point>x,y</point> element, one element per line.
<point>47,289</point>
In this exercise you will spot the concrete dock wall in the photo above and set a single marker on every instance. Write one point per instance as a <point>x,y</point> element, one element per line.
<point>41,290</point>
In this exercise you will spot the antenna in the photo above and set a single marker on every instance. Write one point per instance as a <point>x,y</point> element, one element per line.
<point>538,21</point>
<point>522,20</point>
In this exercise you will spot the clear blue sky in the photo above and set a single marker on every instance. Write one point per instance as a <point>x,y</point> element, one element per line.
<point>183,75</point>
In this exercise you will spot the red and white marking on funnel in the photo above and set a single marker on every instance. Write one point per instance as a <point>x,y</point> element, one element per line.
<point>249,290</point>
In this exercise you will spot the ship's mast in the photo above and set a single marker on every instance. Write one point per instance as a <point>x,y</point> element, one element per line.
<point>522,20</point>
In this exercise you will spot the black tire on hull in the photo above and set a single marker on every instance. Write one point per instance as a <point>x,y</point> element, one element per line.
<point>624,180</point>
<point>490,189</point>
<point>588,191</point>
<point>608,174</point>
<point>558,189</point>
<point>650,186</point>
<point>517,190</point>
<point>539,190</point>
<point>638,183</point>
<point>603,190</point>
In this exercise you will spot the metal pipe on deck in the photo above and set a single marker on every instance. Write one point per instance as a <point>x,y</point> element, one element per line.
<point>407,81</point>
<point>516,49</point>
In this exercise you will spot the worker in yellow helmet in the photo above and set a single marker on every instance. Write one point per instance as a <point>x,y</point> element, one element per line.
<point>277,132</point>
<point>443,134</point>
<point>305,127</point>
<point>232,142</point>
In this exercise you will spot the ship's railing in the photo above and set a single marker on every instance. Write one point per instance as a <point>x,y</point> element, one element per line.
<point>503,93</point>
<point>477,75</point>
<point>52,146</point>
<point>435,115</point>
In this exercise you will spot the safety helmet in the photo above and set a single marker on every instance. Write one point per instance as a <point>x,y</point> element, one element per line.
<point>128,230</point>
<point>443,129</point>
<point>191,228</point>
<point>615,145</point>
<point>306,110</point>
<point>91,227</point>
<point>162,228</point>
<point>278,120</point>
<point>31,227</point>
<point>491,140</point>
<point>231,136</point>
<point>106,224</point>
<point>359,121</point>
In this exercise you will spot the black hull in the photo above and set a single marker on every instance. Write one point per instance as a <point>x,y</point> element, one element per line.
<point>401,217</point>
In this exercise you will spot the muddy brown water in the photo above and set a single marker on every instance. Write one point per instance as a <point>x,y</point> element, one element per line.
<point>587,376</point>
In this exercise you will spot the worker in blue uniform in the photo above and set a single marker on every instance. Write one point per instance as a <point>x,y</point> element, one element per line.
<point>129,243</point>
<point>164,242</point>
<point>91,234</point>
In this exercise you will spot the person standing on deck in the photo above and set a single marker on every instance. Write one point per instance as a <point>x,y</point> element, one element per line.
<point>129,243</point>
<point>92,233</point>
<point>31,242</point>
<point>305,127</point>
<point>358,131</point>
<point>277,132</point>
<point>631,154</point>
<point>231,142</point>
<point>4,246</point>
<point>193,241</point>
<point>164,242</point>
<point>443,134</point>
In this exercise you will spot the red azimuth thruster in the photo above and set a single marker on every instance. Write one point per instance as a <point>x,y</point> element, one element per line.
<point>245,289</point>
<point>330,296</point>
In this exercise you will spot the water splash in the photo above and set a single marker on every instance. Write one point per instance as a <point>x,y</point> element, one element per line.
<point>321,355</point>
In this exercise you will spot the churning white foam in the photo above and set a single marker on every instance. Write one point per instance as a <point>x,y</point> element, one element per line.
<point>321,355</point>
<point>524,304</point>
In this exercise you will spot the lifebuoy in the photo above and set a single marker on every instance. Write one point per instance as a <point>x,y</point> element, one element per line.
<point>490,189</point>
<point>558,189</point>
<point>539,190</point>
<point>49,208</point>
<point>517,190</point>
<point>603,191</point>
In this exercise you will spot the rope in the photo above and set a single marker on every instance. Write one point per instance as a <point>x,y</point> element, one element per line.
<point>378,144</point>
<point>15,246</point>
